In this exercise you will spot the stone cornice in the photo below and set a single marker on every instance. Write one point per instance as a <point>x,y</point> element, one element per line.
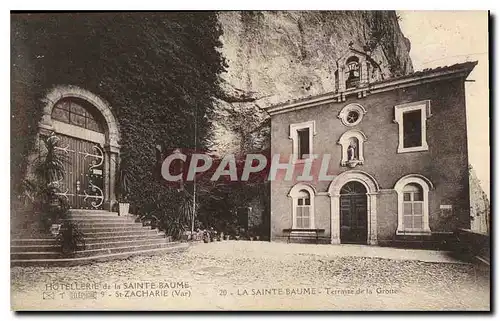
<point>419,78</point>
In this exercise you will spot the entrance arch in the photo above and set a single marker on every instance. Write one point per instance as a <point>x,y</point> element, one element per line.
<point>353,214</point>
<point>371,187</point>
<point>90,135</point>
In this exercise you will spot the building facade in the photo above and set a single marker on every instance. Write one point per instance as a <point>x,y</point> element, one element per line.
<point>395,152</point>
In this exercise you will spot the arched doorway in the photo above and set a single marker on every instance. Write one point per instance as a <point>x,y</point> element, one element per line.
<point>353,213</point>
<point>344,184</point>
<point>87,134</point>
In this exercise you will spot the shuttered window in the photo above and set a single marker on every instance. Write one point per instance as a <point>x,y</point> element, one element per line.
<point>413,203</point>
<point>303,210</point>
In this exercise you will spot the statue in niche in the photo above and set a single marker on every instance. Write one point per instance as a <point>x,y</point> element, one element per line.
<point>351,152</point>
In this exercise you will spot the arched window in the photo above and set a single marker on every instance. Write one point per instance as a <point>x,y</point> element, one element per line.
<point>413,204</point>
<point>78,113</point>
<point>303,211</point>
<point>353,188</point>
<point>413,207</point>
<point>302,206</point>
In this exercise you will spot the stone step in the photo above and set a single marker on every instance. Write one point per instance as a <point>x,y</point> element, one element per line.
<point>35,255</point>
<point>34,248</point>
<point>88,246</point>
<point>98,225</point>
<point>103,238</point>
<point>101,218</point>
<point>104,245</point>
<point>129,237</point>
<point>87,211</point>
<point>47,241</point>
<point>121,249</point>
<point>132,228</point>
<point>120,233</point>
<point>99,258</point>
<point>107,236</point>
<point>101,221</point>
<point>89,252</point>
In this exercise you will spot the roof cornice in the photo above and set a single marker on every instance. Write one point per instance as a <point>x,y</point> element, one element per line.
<point>383,86</point>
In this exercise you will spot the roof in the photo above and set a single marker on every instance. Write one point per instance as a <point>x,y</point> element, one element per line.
<point>456,67</point>
<point>417,77</point>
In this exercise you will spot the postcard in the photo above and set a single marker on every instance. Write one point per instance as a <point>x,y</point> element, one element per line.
<point>250,160</point>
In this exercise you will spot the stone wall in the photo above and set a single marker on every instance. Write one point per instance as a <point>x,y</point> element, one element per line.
<point>445,163</point>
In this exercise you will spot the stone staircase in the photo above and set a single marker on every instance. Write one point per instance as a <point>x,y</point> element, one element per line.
<point>107,236</point>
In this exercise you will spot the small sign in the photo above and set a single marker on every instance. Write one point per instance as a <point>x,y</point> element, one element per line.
<point>445,207</point>
<point>97,171</point>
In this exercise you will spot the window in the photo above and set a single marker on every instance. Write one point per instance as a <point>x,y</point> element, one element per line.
<point>412,129</point>
<point>352,114</point>
<point>411,119</point>
<point>301,135</point>
<point>413,204</point>
<point>302,209</point>
<point>73,112</point>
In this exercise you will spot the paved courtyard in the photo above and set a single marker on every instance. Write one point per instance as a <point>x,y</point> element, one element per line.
<point>260,275</point>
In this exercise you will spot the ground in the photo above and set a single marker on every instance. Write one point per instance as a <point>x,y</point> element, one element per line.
<point>260,275</point>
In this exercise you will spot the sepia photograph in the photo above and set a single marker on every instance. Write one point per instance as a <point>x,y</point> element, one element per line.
<point>293,160</point>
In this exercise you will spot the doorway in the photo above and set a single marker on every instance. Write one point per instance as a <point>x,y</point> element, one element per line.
<point>353,213</point>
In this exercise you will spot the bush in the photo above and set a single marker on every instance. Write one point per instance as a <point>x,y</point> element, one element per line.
<point>70,238</point>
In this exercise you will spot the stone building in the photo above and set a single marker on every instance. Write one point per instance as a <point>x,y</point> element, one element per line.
<point>398,162</point>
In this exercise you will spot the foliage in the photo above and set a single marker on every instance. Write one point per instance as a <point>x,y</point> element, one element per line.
<point>40,192</point>
<point>70,238</point>
<point>384,33</point>
<point>123,183</point>
<point>27,192</point>
<point>54,208</point>
<point>49,165</point>
<point>158,71</point>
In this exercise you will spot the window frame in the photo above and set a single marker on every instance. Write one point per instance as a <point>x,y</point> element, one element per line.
<point>344,113</point>
<point>412,202</point>
<point>294,136</point>
<point>71,110</point>
<point>295,194</point>
<point>424,107</point>
<point>425,185</point>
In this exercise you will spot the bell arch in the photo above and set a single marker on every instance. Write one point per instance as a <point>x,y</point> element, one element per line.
<point>47,126</point>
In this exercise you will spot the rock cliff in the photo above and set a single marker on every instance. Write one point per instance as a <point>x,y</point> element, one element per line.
<point>276,56</point>
<point>480,209</point>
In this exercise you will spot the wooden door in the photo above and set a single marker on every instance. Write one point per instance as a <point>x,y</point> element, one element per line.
<point>83,181</point>
<point>353,214</point>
